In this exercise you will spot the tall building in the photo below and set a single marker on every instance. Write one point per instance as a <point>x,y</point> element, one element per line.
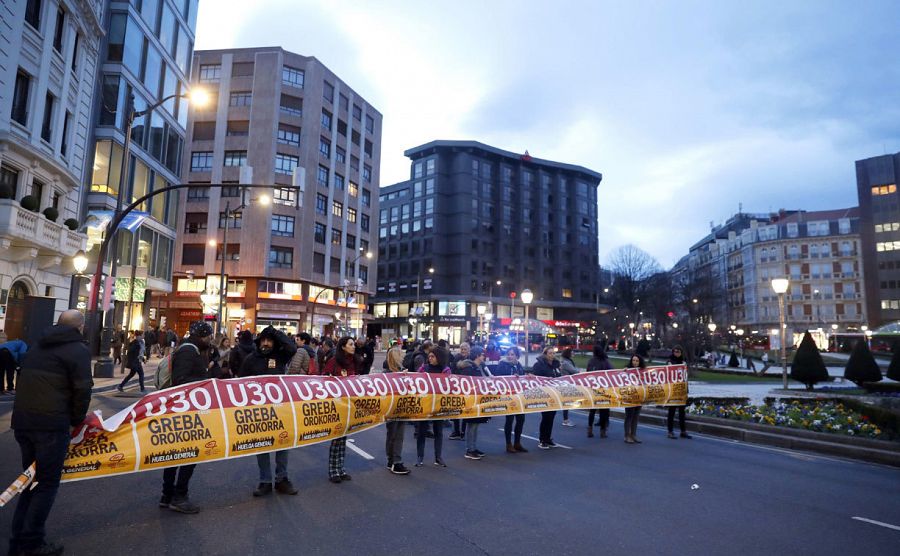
<point>298,262</point>
<point>876,183</point>
<point>489,223</point>
<point>146,56</point>
<point>48,65</point>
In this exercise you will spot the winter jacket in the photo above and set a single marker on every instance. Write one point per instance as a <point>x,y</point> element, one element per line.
<point>54,388</point>
<point>239,352</point>
<point>133,358</point>
<point>567,367</point>
<point>299,363</point>
<point>467,367</point>
<point>189,363</point>
<point>434,369</point>
<point>368,353</point>
<point>543,367</point>
<point>274,363</point>
<point>505,368</point>
<point>17,348</point>
<point>598,364</point>
<point>333,368</point>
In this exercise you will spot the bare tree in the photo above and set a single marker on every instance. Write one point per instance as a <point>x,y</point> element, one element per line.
<point>631,266</point>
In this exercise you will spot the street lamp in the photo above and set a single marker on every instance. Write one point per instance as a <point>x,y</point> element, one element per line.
<point>487,324</point>
<point>480,309</point>
<point>362,253</point>
<point>80,262</point>
<point>631,332</point>
<point>527,298</point>
<point>780,286</point>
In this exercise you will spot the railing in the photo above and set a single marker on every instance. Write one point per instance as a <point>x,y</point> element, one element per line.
<point>35,230</point>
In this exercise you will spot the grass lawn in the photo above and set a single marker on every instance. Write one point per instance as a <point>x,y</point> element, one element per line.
<point>722,378</point>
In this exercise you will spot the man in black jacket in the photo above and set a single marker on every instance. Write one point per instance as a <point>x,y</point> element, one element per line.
<point>54,393</point>
<point>190,363</point>
<point>274,351</point>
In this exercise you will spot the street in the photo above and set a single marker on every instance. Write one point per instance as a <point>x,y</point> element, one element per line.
<point>593,495</point>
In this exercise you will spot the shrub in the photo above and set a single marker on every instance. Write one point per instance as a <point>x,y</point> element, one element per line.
<point>861,367</point>
<point>29,202</point>
<point>51,214</point>
<point>71,223</point>
<point>893,371</point>
<point>808,367</point>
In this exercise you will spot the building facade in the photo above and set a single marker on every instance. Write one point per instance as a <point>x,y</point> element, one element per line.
<point>145,58</point>
<point>475,226</point>
<point>879,205</point>
<point>48,65</point>
<point>298,261</point>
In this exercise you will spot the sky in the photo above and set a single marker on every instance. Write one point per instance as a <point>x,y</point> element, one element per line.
<point>690,110</point>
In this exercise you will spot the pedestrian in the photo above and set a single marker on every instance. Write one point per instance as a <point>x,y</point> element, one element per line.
<point>459,425</point>
<point>367,352</point>
<point>750,365</point>
<point>567,367</point>
<point>632,414</point>
<point>394,435</point>
<point>546,366</point>
<point>765,363</point>
<point>325,352</point>
<point>343,363</point>
<point>171,341</point>
<point>599,362</point>
<point>394,357</point>
<point>241,350</point>
<point>677,358</point>
<point>189,364</point>
<point>473,366</point>
<point>512,429</point>
<point>150,341</point>
<point>224,349</point>
<point>54,396</point>
<point>11,354</point>
<point>273,351</point>
<point>118,343</point>
<point>133,362</point>
<point>300,362</point>
<point>437,363</point>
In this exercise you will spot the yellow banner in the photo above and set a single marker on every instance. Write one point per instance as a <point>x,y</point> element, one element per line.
<point>219,419</point>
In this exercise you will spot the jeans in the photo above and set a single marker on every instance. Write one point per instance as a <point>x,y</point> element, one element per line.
<point>393,443</point>
<point>421,429</point>
<point>459,427</point>
<point>265,467</point>
<point>176,479</point>
<point>48,449</point>
<point>670,418</point>
<point>565,414</point>
<point>7,370</point>
<point>604,418</point>
<point>631,420</point>
<point>509,431</point>
<point>136,370</point>
<point>471,436</point>
<point>546,430</point>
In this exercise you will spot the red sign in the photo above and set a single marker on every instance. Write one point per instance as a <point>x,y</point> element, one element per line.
<point>512,295</point>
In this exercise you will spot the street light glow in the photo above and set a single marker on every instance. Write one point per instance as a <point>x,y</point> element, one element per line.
<point>213,242</point>
<point>780,285</point>
<point>80,262</point>
<point>199,97</point>
<point>527,296</point>
<point>264,200</point>
<point>368,254</point>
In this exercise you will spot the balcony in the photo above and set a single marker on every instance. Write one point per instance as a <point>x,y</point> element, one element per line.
<point>28,235</point>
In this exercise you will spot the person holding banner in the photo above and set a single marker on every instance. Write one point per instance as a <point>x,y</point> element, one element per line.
<point>459,425</point>
<point>677,358</point>
<point>54,393</point>
<point>510,366</point>
<point>599,362</point>
<point>633,413</point>
<point>546,366</point>
<point>473,366</point>
<point>344,363</point>
<point>437,364</point>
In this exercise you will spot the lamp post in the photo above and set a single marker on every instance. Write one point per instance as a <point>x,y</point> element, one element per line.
<point>480,309</point>
<point>631,327</point>
<point>418,293</point>
<point>487,324</point>
<point>780,286</point>
<point>362,253</point>
<point>527,298</point>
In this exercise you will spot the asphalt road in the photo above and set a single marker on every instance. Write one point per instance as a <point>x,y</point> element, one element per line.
<point>600,496</point>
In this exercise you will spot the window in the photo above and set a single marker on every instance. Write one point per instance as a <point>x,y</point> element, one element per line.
<point>363,246</point>
<point>322,176</point>
<point>319,263</point>
<point>282,226</point>
<point>289,135</point>
<point>292,76</point>
<point>342,128</point>
<point>210,73</point>
<point>335,265</point>
<point>364,222</point>
<point>193,254</point>
<point>367,173</point>
<point>198,193</point>
<point>370,124</point>
<point>354,162</point>
<point>357,113</point>
<point>337,209</point>
<point>338,181</point>
<point>241,69</point>
<point>291,105</point>
<point>429,166</point>
<point>204,131</point>
<point>351,214</point>
<point>351,241</point>
<point>364,273</point>
<point>366,197</point>
<point>284,196</point>
<point>47,124</point>
<point>328,92</point>
<point>235,219</point>
<point>320,233</point>
<point>58,33</point>
<point>9,178</point>
<point>240,98</point>
<point>367,148</point>
<point>75,52</point>
<point>201,161</point>
<point>340,155</point>
<point>33,13</point>
<point>844,226</point>
<point>281,257</point>
<point>321,203</point>
<point>235,158</point>
<point>336,236</point>
<point>286,163</point>
<point>884,189</point>
<point>238,129</point>
<point>20,97</point>
<point>354,190</point>
<point>324,147</point>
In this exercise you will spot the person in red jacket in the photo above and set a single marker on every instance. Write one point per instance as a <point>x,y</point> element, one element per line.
<point>344,363</point>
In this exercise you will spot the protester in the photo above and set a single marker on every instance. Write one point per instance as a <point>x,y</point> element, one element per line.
<point>189,364</point>
<point>367,352</point>
<point>599,362</point>
<point>133,362</point>
<point>151,341</point>
<point>273,352</point>
<point>459,425</point>
<point>344,363</point>
<point>300,362</point>
<point>53,398</point>
<point>677,358</point>
<point>473,366</point>
<point>437,364</point>
<point>118,343</point>
<point>241,350</point>
<point>11,354</point>
<point>224,349</point>
<point>325,352</point>
<point>394,357</point>
<point>567,367</point>
<point>632,414</point>
<point>546,366</point>
<point>510,365</point>
<point>394,436</point>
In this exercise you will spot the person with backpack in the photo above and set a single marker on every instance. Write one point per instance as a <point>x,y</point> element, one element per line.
<point>133,362</point>
<point>274,350</point>
<point>436,364</point>
<point>188,364</point>
<point>599,362</point>
<point>546,366</point>
<point>473,366</point>
<point>510,366</point>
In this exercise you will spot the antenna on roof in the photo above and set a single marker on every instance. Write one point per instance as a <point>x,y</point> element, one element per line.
<point>740,208</point>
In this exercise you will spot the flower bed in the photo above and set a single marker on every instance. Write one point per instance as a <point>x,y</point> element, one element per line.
<point>815,415</point>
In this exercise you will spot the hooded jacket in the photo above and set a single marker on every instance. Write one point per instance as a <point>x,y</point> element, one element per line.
<point>190,363</point>
<point>468,367</point>
<point>505,368</point>
<point>543,367</point>
<point>54,388</point>
<point>275,362</point>
<point>240,351</point>
<point>16,348</point>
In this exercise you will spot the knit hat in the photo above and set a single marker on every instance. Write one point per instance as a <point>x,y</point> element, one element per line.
<point>245,336</point>
<point>475,352</point>
<point>201,329</point>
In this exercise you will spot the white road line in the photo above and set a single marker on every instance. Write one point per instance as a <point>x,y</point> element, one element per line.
<point>360,451</point>
<point>881,523</point>
<point>558,445</point>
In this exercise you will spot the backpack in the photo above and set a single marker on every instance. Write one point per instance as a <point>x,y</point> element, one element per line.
<point>164,370</point>
<point>409,361</point>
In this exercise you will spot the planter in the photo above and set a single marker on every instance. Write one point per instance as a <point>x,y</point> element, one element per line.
<point>51,214</point>
<point>71,224</point>
<point>29,202</point>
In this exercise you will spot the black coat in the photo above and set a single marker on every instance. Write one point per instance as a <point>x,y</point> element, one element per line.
<point>54,388</point>
<point>505,368</point>
<point>597,364</point>
<point>237,355</point>
<point>275,363</point>
<point>544,368</point>
<point>189,364</point>
<point>468,367</point>
<point>133,359</point>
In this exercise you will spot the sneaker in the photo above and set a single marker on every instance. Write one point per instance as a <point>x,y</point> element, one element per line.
<point>399,469</point>
<point>455,436</point>
<point>263,489</point>
<point>568,423</point>
<point>183,505</point>
<point>420,462</point>
<point>285,486</point>
<point>164,501</point>
<point>439,462</point>
<point>686,435</point>
<point>120,389</point>
<point>543,446</point>
<point>345,477</point>
<point>390,464</point>
<point>551,443</point>
<point>472,455</point>
<point>46,549</point>
<point>672,435</point>
<point>336,479</point>
<point>480,453</point>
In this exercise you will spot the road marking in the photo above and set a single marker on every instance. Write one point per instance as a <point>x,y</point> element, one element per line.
<point>558,445</point>
<point>359,451</point>
<point>881,523</point>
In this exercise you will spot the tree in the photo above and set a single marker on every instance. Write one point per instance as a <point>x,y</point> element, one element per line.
<point>631,267</point>
<point>861,367</point>
<point>893,371</point>
<point>808,367</point>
